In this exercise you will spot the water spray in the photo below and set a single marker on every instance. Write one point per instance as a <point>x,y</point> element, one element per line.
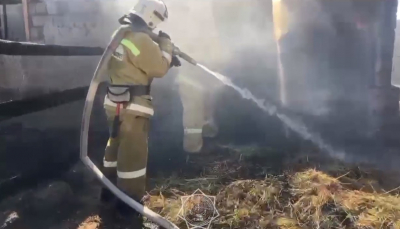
<point>274,110</point>
<point>267,107</point>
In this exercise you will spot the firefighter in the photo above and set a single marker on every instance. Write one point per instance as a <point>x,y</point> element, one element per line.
<point>197,89</point>
<point>197,93</point>
<point>128,106</point>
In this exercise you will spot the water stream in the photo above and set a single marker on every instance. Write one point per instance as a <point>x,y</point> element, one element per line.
<point>295,125</point>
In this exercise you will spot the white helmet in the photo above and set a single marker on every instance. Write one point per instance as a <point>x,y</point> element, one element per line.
<point>153,12</point>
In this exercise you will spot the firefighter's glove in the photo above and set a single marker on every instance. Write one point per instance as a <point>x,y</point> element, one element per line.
<point>175,62</point>
<point>166,46</point>
<point>165,35</point>
<point>123,20</point>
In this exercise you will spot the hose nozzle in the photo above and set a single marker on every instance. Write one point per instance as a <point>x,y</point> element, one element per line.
<point>176,51</point>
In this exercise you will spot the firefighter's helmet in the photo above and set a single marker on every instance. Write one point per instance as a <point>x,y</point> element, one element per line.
<point>153,12</point>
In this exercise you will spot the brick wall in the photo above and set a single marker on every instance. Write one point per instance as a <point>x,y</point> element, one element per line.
<point>64,22</point>
<point>70,22</point>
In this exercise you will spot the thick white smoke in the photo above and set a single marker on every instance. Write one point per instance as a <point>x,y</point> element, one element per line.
<point>239,34</point>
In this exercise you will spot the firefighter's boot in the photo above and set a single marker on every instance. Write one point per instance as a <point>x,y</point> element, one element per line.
<point>210,129</point>
<point>129,216</point>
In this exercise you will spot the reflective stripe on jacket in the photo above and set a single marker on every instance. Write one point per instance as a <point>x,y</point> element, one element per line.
<point>137,60</point>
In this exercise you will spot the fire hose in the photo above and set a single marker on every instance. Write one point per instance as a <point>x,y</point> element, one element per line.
<point>98,77</point>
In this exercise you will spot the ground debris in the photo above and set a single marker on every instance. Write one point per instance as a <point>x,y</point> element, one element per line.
<point>252,191</point>
<point>322,196</point>
<point>92,222</point>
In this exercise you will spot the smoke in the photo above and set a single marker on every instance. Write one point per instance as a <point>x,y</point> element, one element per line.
<point>237,39</point>
<point>210,31</point>
<point>323,57</point>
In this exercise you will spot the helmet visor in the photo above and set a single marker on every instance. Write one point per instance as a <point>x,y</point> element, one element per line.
<point>161,17</point>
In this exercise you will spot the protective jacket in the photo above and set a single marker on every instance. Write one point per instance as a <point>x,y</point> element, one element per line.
<point>134,64</point>
<point>136,61</point>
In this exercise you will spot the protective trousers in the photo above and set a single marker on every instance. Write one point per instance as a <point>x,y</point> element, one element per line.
<point>193,117</point>
<point>198,109</point>
<point>125,158</point>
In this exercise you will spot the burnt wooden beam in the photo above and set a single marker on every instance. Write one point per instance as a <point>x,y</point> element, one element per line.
<point>34,49</point>
<point>10,2</point>
<point>38,103</point>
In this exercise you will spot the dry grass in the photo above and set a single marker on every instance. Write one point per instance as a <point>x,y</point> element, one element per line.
<point>243,203</point>
<point>298,199</point>
<point>92,222</point>
<point>323,200</point>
